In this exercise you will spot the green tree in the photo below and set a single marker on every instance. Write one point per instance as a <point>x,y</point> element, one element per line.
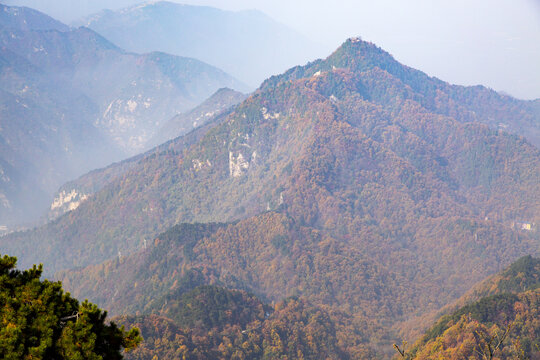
<point>38,320</point>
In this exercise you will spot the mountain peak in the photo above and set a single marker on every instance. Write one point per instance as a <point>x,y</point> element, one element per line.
<point>355,55</point>
<point>360,55</point>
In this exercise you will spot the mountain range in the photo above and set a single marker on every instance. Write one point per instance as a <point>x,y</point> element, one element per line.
<point>345,205</point>
<point>247,44</point>
<point>73,101</point>
<point>367,187</point>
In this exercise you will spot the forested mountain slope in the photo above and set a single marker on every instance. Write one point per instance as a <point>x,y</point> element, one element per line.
<point>468,333</point>
<point>293,329</point>
<point>347,185</point>
<point>503,307</point>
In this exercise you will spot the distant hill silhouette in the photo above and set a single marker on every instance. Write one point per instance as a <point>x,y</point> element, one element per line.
<point>247,44</point>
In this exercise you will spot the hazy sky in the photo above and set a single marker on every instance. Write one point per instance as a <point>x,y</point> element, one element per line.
<point>491,42</point>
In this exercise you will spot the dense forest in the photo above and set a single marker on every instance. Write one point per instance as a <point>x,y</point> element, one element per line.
<point>292,329</point>
<point>198,321</point>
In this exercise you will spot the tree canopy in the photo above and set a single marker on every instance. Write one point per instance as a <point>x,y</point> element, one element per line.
<point>40,321</point>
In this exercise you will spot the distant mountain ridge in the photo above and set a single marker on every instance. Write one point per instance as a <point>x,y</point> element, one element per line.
<point>73,101</point>
<point>116,80</point>
<point>43,123</point>
<point>26,19</point>
<point>247,44</point>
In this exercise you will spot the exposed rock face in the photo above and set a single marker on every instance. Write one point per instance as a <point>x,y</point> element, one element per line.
<point>238,165</point>
<point>66,201</point>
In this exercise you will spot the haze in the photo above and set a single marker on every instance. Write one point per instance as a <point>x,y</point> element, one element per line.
<point>495,43</point>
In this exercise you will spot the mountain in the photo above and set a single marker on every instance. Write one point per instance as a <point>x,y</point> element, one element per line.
<point>46,135</point>
<point>72,101</point>
<point>181,124</point>
<point>356,182</point>
<point>134,93</point>
<point>505,302</point>
<point>464,103</point>
<point>247,44</point>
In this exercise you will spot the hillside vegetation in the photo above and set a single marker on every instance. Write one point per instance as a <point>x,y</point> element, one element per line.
<point>506,313</point>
